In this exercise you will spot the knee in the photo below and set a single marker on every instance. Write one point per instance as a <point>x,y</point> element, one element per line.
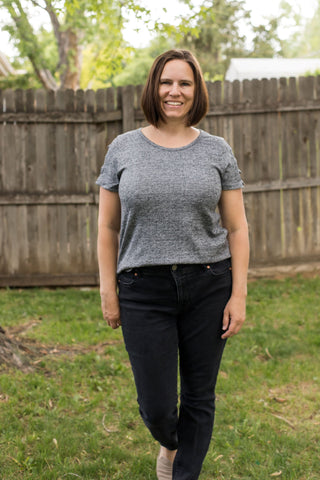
<point>162,425</point>
<point>155,416</point>
<point>204,401</point>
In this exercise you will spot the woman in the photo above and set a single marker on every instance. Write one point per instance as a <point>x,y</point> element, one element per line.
<point>180,266</point>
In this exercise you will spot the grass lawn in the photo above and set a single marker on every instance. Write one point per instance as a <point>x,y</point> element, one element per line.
<point>75,414</point>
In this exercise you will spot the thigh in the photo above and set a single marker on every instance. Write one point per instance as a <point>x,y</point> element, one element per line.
<point>149,326</point>
<point>200,330</point>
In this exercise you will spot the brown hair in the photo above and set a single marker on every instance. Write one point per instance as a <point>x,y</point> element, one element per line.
<point>150,101</point>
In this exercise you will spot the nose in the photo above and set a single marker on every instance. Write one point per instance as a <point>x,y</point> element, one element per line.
<point>174,90</point>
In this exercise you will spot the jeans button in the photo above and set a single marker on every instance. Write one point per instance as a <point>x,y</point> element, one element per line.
<point>174,267</point>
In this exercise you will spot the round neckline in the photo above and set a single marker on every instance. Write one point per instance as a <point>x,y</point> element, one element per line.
<point>188,145</point>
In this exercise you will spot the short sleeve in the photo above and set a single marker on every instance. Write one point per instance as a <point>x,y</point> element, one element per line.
<point>108,177</point>
<point>231,179</point>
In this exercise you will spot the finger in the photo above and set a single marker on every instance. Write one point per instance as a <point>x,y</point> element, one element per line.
<point>111,316</point>
<point>226,335</point>
<point>230,330</point>
<point>115,325</point>
<point>114,322</point>
<point>226,320</point>
<point>234,328</point>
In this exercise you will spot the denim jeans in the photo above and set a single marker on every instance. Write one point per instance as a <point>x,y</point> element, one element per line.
<point>171,313</point>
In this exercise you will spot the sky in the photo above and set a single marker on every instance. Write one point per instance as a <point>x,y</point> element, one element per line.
<point>260,9</point>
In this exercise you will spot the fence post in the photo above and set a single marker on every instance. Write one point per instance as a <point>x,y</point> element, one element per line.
<point>128,122</point>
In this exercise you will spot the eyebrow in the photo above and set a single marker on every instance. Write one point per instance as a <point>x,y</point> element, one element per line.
<point>170,79</point>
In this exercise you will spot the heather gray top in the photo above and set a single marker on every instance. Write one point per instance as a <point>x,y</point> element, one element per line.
<point>169,198</point>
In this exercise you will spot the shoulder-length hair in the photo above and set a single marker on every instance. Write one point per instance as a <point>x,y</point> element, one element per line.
<point>150,101</point>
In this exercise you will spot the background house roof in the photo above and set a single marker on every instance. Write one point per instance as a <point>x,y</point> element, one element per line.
<point>250,68</point>
<point>5,66</point>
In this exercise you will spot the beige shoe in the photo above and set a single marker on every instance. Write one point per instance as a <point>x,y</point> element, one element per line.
<point>164,468</point>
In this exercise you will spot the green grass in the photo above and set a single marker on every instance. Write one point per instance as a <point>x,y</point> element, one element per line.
<point>75,415</point>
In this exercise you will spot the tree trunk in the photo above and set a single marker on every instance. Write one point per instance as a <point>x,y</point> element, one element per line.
<point>70,59</point>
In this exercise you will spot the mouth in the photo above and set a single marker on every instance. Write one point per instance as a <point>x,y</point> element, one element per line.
<point>174,104</point>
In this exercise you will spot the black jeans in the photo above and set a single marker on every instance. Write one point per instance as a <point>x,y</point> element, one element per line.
<point>168,311</point>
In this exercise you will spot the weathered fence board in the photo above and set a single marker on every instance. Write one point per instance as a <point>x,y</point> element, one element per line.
<point>52,145</point>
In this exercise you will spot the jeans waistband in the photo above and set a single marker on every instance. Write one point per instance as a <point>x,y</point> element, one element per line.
<point>181,267</point>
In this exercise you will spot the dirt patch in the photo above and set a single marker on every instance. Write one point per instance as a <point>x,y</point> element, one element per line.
<point>279,272</point>
<point>297,404</point>
<point>25,354</point>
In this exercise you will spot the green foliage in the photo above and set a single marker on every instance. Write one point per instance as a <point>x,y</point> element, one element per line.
<point>22,33</point>
<point>266,42</point>
<point>135,70</point>
<point>307,41</point>
<point>315,73</point>
<point>93,25</point>
<point>101,61</point>
<point>49,49</point>
<point>49,58</point>
<point>213,31</point>
<point>105,53</point>
<point>215,36</point>
<point>24,81</point>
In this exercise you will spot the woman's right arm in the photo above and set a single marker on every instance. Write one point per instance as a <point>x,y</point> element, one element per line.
<point>108,244</point>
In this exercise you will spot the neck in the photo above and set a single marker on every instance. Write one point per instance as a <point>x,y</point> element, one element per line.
<point>174,129</point>
<point>171,135</point>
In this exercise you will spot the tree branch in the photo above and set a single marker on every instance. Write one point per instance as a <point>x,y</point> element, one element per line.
<point>59,35</point>
<point>26,36</point>
<point>36,4</point>
<point>54,20</point>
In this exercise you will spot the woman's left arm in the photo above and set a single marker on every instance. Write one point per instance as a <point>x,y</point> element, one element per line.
<point>233,218</point>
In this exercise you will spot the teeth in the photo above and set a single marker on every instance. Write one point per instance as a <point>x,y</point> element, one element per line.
<point>174,103</point>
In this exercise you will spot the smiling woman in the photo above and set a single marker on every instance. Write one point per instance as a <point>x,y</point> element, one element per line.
<point>175,94</point>
<point>176,90</point>
<point>181,268</point>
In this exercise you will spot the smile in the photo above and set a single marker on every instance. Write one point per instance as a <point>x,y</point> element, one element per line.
<point>174,103</point>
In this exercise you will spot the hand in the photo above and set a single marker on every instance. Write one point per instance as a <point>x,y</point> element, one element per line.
<point>233,316</point>
<point>110,308</point>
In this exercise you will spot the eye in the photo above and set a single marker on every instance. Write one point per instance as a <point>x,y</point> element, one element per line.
<point>164,82</point>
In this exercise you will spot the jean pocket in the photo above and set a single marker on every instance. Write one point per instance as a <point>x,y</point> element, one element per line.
<point>127,277</point>
<point>219,268</point>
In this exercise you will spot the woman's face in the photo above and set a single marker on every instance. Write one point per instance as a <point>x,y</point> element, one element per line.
<point>176,90</point>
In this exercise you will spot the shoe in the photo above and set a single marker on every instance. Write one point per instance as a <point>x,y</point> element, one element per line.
<point>164,468</point>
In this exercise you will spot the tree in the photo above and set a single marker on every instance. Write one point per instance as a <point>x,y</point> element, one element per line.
<point>306,42</point>
<point>280,34</point>
<point>216,36</point>
<point>266,42</point>
<point>75,23</point>
<point>214,33</point>
<point>137,67</point>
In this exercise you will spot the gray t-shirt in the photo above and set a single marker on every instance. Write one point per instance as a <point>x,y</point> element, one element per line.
<point>169,198</point>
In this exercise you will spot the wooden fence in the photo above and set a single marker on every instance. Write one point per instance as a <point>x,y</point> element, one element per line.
<point>53,145</point>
